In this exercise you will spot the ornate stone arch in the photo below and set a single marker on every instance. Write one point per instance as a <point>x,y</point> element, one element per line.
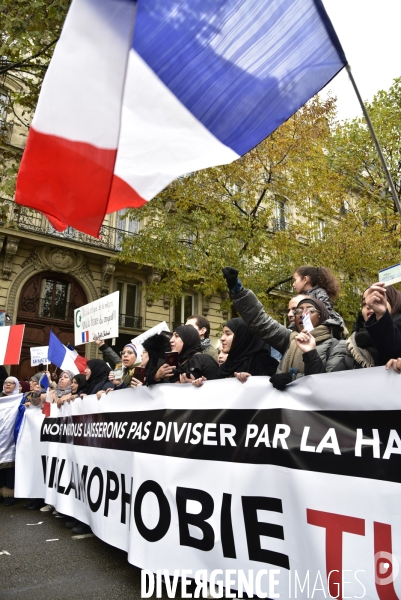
<point>58,260</point>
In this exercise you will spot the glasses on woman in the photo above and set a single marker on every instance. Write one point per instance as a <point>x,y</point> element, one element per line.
<point>302,311</point>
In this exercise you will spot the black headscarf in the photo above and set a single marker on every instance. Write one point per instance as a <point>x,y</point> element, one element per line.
<point>244,347</point>
<point>81,381</point>
<point>156,346</point>
<point>192,345</point>
<point>99,374</point>
<point>3,375</point>
<point>324,313</point>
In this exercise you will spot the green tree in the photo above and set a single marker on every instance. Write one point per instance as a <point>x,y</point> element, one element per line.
<point>369,237</point>
<point>291,201</point>
<point>29,31</point>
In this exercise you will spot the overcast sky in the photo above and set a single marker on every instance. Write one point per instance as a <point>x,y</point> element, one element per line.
<point>369,34</point>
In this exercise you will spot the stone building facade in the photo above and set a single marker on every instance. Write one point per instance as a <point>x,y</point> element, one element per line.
<point>46,275</point>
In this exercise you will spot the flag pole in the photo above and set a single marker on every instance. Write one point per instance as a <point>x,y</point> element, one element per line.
<point>376,141</point>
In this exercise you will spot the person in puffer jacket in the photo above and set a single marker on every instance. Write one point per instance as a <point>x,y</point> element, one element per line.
<point>303,353</point>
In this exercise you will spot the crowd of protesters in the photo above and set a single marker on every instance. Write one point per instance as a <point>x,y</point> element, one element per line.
<point>315,341</point>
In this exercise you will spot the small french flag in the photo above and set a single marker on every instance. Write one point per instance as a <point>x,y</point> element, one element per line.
<point>65,358</point>
<point>10,344</point>
<point>85,336</point>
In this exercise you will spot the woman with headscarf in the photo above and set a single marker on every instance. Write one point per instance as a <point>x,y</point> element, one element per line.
<point>192,364</point>
<point>10,387</point>
<point>246,352</point>
<point>155,347</point>
<point>7,470</point>
<point>384,324</point>
<point>97,376</point>
<point>63,391</point>
<point>35,394</point>
<point>78,385</point>
<point>376,337</point>
<point>125,361</point>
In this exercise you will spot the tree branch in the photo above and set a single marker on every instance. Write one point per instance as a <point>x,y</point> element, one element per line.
<point>272,287</point>
<point>25,62</point>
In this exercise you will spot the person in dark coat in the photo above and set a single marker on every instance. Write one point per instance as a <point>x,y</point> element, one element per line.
<point>246,352</point>
<point>302,353</point>
<point>384,323</point>
<point>156,346</point>
<point>374,338</point>
<point>192,364</point>
<point>97,376</point>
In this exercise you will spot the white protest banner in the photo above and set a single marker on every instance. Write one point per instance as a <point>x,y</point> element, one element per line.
<point>98,319</point>
<point>39,356</point>
<point>294,489</point>
<point>139,339</point>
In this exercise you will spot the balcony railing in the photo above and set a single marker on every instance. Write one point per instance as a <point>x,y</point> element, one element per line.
<point>131,322</point>
<point>110,238</point>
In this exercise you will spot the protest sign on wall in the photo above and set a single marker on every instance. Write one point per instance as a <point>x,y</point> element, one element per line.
<point>300,487</point>
<point>39,356</point>
<point>98,319</point>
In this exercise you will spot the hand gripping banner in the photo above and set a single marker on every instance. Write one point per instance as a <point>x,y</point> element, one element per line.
<point>296,493</point>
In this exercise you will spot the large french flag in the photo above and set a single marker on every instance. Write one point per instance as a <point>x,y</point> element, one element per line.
<point>138,94</point>
<point>10,344</point>
<point>65,358</point>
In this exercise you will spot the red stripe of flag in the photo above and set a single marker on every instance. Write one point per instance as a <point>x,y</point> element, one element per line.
<point>14,344</point>
<point>81,363</point>
<point>54,167</point>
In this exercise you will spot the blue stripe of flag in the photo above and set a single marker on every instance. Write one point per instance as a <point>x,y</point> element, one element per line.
<point>57,350</point>
<point>241,67</point>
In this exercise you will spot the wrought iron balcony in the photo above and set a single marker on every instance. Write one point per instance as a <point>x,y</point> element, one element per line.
<point>25,219</point>
<point>131,322</point>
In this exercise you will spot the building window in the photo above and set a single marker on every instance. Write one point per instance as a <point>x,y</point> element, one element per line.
<point>345,208</point>
<point>129,305</point>
<point>54,300</point>
<point>280,220</point>
<point>125,226</point>
<point>184,307</point>
<point>320,229</point>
